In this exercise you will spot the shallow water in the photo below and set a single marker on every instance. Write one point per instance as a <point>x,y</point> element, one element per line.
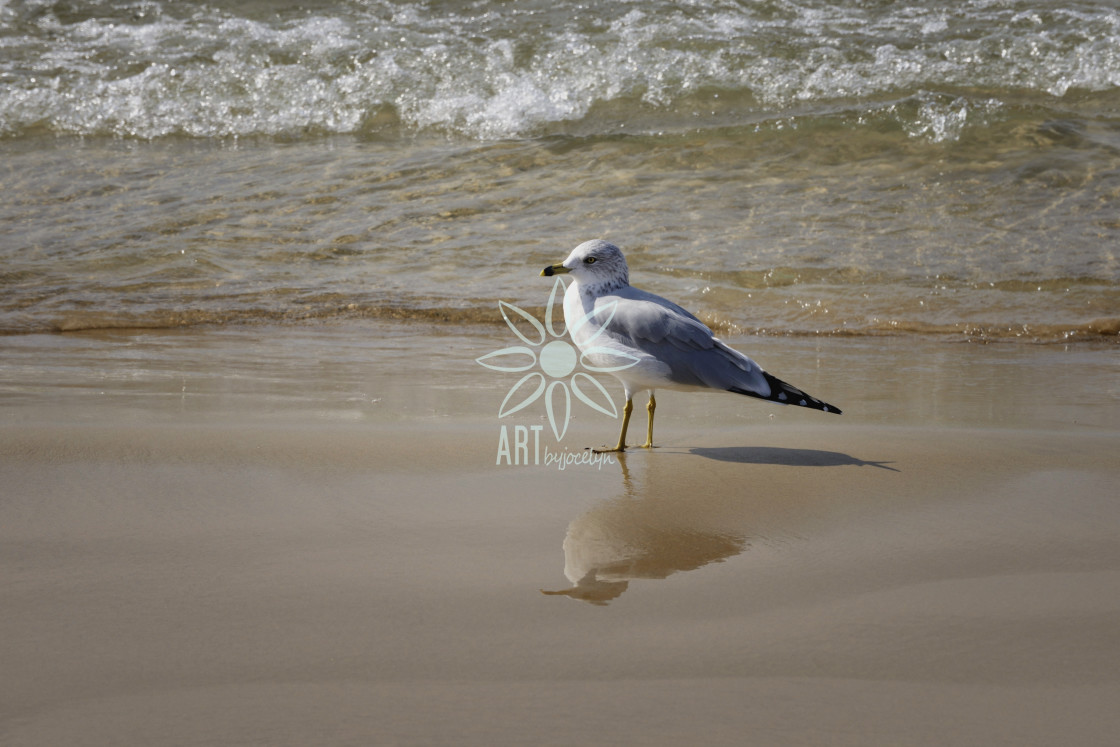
<point>170,233</point>
<point>795,168</point>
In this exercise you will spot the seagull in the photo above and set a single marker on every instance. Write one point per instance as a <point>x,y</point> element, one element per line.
<point>665,346</point>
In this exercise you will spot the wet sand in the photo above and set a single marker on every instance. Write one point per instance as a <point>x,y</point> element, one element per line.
<point>265,570</point>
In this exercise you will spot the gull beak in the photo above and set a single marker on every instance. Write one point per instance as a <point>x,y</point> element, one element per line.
<point>554,270</point>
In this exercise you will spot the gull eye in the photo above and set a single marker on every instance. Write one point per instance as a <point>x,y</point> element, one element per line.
<point>589,261</point>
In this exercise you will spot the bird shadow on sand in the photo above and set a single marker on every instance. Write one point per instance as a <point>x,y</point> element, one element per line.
<point>789,457</point>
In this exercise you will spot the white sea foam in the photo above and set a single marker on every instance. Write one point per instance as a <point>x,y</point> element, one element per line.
<point>497,72</point>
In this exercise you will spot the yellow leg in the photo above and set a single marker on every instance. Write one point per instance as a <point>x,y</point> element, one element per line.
<point>649,424</point>
<point>626,410</point>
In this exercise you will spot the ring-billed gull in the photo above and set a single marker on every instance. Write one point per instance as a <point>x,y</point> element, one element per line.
<point>665,346</point>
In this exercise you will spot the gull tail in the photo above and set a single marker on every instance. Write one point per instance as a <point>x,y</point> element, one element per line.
<point>786,394</point>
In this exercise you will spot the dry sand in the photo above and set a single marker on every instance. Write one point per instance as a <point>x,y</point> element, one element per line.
<point>233,577</point>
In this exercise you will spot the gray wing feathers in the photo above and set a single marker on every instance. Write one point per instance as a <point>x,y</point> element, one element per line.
<point>681,341</point>
<point>649,321</point>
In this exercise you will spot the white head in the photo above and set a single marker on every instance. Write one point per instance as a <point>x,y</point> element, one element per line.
<point>596,263</point>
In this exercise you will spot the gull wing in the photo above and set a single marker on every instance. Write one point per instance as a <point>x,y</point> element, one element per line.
<point>658,328</point>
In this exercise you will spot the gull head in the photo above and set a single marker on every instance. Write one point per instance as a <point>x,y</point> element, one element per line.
<point>595,263</point>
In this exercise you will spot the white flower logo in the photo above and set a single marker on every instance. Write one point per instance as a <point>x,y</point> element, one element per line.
<point>558,359</point>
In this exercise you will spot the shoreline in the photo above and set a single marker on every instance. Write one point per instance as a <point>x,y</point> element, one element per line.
<point>310,558</point>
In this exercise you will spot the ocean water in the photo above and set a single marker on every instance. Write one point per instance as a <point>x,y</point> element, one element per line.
<point>783,167</point>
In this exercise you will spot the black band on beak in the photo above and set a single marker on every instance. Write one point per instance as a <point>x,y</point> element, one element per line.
<point>554,270</point>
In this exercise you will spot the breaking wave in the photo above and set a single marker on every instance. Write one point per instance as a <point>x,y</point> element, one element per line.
<point>493,70</point>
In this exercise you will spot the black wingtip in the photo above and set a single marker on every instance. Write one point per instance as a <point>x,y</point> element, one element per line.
<point>787,394</point>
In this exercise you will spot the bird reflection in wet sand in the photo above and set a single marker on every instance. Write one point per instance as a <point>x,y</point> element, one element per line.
<point>668,523</point>
<point>631,537</point>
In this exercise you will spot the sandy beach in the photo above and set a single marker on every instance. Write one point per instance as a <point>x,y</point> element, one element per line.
<point>278,570</point>
<point>261,485</point>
